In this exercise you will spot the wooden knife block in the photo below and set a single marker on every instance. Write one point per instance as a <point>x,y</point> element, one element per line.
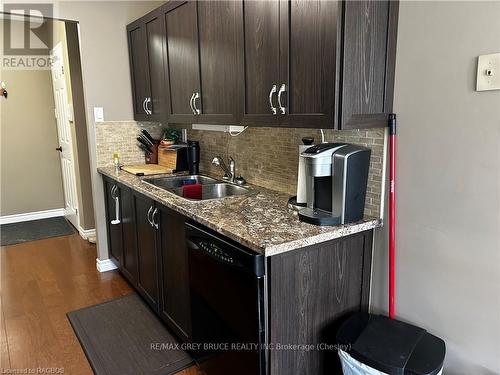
<point>152,158</point>
<point>175,159</point>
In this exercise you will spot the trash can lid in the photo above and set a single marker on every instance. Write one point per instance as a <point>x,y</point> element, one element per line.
<point>391,346</point>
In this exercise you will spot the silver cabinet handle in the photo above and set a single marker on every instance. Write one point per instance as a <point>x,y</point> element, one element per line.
<point>148,111</point>
<point>153,218</point>
<point>273,91</point>
<point>149,214</point>
<point>144,105</point>
<point>196,96</point>
<point>117,205</point>
<point>282,90</point>
<point>191,104</point>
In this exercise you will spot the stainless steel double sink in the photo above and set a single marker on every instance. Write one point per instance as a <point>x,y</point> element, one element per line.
<point>211,188</point>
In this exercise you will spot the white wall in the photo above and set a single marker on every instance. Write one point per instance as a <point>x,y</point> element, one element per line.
<point>30,167</point>
<point>448,183</point>
<point>106,75</point>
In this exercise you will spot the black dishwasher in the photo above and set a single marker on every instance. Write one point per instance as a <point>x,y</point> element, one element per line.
<point>227,286</point>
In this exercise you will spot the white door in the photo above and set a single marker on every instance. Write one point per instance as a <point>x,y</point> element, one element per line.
<point>64,133</point>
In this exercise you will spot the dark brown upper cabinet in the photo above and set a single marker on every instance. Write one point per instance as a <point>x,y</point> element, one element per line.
<point>368,59</point>
<point>261,62</point>
<point>302,63</point>
<point>289,60</point>
<point>308,35</point>
<point>202,61</point>
<point>145,39</point>
<point>318,63</point>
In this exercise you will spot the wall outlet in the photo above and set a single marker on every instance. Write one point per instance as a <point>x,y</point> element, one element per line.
<point>488,72</point>
<point>98,114</point>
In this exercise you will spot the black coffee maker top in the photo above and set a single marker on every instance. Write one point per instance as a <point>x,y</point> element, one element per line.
<point>322,147</point>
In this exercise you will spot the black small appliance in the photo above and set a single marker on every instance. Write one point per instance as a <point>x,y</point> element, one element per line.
<point>194,157</point>
<point>336,179</point>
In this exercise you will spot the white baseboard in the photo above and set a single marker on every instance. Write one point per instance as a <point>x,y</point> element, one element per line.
<point>86,233</point>
<point>7,219</point>
<point>105,265</point>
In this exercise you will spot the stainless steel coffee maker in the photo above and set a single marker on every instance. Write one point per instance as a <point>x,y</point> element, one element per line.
<point>336,179</point>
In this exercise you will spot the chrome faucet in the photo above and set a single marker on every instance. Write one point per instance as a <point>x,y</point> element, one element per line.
<point>228,172</point>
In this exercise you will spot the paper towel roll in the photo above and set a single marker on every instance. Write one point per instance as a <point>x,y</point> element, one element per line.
<point>301,177</point>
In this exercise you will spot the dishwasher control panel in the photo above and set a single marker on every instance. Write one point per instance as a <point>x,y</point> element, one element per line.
<point>215,251</point>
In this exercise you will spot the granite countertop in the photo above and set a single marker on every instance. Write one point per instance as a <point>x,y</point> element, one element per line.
<point>260,221</point>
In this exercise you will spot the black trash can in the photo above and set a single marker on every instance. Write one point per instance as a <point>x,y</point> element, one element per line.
<point>375,344</point>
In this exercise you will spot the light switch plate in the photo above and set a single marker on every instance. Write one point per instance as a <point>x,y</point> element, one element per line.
<point>98,114</point>
<point>488,72</point>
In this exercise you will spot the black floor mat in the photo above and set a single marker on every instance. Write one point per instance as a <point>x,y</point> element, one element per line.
<point>121,336</point>
<point>34,230</point>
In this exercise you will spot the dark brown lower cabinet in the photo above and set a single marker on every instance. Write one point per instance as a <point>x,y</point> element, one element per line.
<point>311,291</point>
<point>175,305</point>
<point>112,194</point>
<point>147,279</point>
<point>129,264</point>
<point>148,245</point>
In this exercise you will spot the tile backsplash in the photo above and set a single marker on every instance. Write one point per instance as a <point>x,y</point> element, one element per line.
<point>269,157</point>
<point>120,136</point>
<point>265,157</point>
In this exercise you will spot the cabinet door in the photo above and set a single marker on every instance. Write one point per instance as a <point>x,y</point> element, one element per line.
<point>129,258</point>
<point>364,92</point>
<point>112,193</point>
<point>182,61</point>
<point>139,71</point>
<point>219,29</point>
<point>147,281</point>
<point>308,45</point>
<point>175,306</point>
<point>261,62</point>
<point>155,33</point>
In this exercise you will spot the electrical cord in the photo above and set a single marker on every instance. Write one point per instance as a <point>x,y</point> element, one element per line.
<point>238,133</point>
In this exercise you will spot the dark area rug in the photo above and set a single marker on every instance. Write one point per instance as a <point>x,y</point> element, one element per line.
<point>34,230</point>
<point>119,337</point>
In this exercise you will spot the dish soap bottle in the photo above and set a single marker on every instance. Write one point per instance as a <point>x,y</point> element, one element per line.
<point>116,161</point>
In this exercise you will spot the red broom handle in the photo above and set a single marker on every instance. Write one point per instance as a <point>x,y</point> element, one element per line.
<point>392,214</point>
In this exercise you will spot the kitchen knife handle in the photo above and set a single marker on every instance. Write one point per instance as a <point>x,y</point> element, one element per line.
<point>273,91</point>
<point>148,136</point>
<point>282,90</point>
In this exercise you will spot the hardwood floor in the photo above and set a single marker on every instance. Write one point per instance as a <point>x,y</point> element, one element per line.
<point>40,282</point>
